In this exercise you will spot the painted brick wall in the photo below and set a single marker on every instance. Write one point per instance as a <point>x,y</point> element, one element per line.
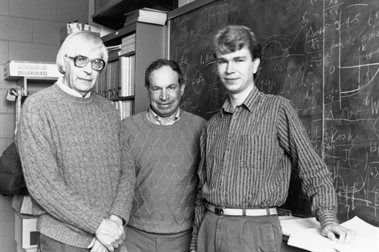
<point>29,30</point>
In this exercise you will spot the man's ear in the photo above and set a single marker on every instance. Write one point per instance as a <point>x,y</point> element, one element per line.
<point>62,67</point>
<point>256,63</point>
<point>182,87</point>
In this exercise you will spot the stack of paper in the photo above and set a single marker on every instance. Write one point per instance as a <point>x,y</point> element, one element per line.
<point>311,240</point>
<point>366,237</point>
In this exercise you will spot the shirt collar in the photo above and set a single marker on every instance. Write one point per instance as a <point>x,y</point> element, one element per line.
<point>248,103</point>
<point>71,91</point>
<point>158,119</point>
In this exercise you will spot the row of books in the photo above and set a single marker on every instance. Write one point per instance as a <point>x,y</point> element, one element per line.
<point>127,75</point>
<point>117,82</point>
<point>128,45</point>
<point>146,15</point>
<point>109,81</point>
<point>117,79</point>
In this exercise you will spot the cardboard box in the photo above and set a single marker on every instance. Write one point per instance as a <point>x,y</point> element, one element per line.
<point>25,231</point>
<point>77,27</point>
<point>15,69</point>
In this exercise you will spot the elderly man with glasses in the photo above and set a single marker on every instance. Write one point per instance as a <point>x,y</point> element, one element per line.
<point>70,152</point>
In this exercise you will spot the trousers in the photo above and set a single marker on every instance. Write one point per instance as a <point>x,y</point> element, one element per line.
<point>47,244</point>
<point>140,241</point>
<point>239,233</point>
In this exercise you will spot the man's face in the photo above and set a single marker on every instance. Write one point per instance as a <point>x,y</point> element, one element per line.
<point>236,70</point>
<point>82,79</point>
<point>164,91</point>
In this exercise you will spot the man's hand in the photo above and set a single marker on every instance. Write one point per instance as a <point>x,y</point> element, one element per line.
<point>336,232</point>
<point>98,247</point>
<point>110,234</point>
<point>123,248</point>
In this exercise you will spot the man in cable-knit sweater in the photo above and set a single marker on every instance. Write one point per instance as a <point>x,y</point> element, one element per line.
<point>70,152</point>
<point>164,141</point>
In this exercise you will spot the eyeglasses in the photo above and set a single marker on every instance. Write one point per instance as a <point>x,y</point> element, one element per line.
<point>81,61</point>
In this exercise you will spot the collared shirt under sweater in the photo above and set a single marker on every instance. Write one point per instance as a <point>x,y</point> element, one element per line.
<point>166,159</point>
<point>248,153</point>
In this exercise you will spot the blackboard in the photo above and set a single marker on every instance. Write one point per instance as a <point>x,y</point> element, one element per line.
<point>321,54</point>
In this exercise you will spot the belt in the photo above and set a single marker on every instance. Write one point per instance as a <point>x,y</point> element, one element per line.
<point>241,212</point>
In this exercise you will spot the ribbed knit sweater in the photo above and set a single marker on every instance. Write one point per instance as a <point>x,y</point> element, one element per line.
<point>248,154</point>
<point>70,154</point>
<point>166,159</point>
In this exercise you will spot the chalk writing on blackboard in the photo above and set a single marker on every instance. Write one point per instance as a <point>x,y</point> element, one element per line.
<point>351,80</point>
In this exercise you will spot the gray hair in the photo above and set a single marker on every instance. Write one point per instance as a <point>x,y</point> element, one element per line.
<point>77,41</point>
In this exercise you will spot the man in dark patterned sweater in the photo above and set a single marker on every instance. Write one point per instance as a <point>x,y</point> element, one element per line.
<point>70,152</point>
<point>247,152</point>
<point>164,141</point>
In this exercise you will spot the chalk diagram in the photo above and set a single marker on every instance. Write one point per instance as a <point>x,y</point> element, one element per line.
<point>358,45</point>
<point>342,56</point>
<point>203,94</point>
<point>351,72</point>
<point>292,66</point>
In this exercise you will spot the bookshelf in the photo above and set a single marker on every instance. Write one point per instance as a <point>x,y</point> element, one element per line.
<point>129,67</point>
<point>110,13</point>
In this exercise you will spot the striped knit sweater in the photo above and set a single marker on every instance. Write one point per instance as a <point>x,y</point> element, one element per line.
<point>70,155</point>
<point>166,159</point>
<point>247,158</point>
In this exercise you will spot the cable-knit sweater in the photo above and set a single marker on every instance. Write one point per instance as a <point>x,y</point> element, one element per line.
<point>70,153</point>
<point>166,159</point>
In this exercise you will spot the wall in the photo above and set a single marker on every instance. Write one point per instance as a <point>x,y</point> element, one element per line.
<point>29,30</point>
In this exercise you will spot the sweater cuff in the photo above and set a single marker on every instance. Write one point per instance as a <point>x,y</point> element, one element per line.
<point>94,223</point>
<point>121,214</point>
<point>117,219</point>
<point>327,217</point>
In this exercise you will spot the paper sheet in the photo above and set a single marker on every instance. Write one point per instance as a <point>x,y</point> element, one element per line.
<point>311,239</point>
<point>292,224</point>
<point>366,238</point>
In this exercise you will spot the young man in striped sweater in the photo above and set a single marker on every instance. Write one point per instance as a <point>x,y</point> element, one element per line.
<point>247,153</point>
